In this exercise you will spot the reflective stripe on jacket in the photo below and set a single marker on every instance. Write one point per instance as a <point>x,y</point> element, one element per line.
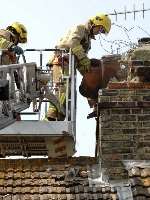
<point>5,43</point>
<point>5,39</point>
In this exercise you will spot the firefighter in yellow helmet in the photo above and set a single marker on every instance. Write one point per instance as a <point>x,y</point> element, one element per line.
<point>79,40</point>
<point>9,39</point>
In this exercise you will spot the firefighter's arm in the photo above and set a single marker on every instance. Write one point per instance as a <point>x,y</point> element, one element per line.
<point>83,61</point>
<point>5,44</point>
<point>79,52</point>
<point>77,49</point>
<point>76,36</point>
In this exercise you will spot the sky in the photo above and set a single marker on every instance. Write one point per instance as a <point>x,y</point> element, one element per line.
<point>48,20</point>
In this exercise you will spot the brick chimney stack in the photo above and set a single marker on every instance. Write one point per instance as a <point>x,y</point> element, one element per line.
<point>124,115</point>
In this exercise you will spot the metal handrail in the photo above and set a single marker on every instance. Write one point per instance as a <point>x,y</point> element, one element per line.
<point>27,89</point>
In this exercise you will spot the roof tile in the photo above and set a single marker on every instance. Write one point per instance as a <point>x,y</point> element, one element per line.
<point>44,179</point>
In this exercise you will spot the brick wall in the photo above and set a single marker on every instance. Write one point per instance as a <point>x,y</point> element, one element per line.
<point>124,127</point>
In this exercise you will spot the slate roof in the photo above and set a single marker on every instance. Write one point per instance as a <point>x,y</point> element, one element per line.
<point>139,178</point>
<point>42,179</point>
<point>63,179</point>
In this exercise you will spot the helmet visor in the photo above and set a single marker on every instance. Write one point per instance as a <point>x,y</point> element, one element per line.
<point>102,30</point>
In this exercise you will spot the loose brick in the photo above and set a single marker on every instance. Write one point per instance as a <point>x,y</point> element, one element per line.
<point>119,137</point>
<point>146,124</point>
<point>146,110</point>
<point>146,98</point>
<point>109,156</point>
<point>128,117</point>
<point>123,150</point>
<point>111,131</point>
<point>137,110</point>
<point>144,117</point>
<point>131,131</point>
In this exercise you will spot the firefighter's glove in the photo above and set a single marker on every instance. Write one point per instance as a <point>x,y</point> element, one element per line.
<point>16,49</point>
<point>84,64</point>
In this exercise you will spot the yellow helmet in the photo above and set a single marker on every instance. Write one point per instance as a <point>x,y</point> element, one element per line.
<point>20,29</point>
<point>102,20</point>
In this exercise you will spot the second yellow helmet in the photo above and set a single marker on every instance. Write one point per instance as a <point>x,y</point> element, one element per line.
<point>102,20</point>
<point>21,31</point>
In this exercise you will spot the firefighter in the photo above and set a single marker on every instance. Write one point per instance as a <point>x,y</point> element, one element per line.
<point>9,39</point>
<point>79,40</point>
